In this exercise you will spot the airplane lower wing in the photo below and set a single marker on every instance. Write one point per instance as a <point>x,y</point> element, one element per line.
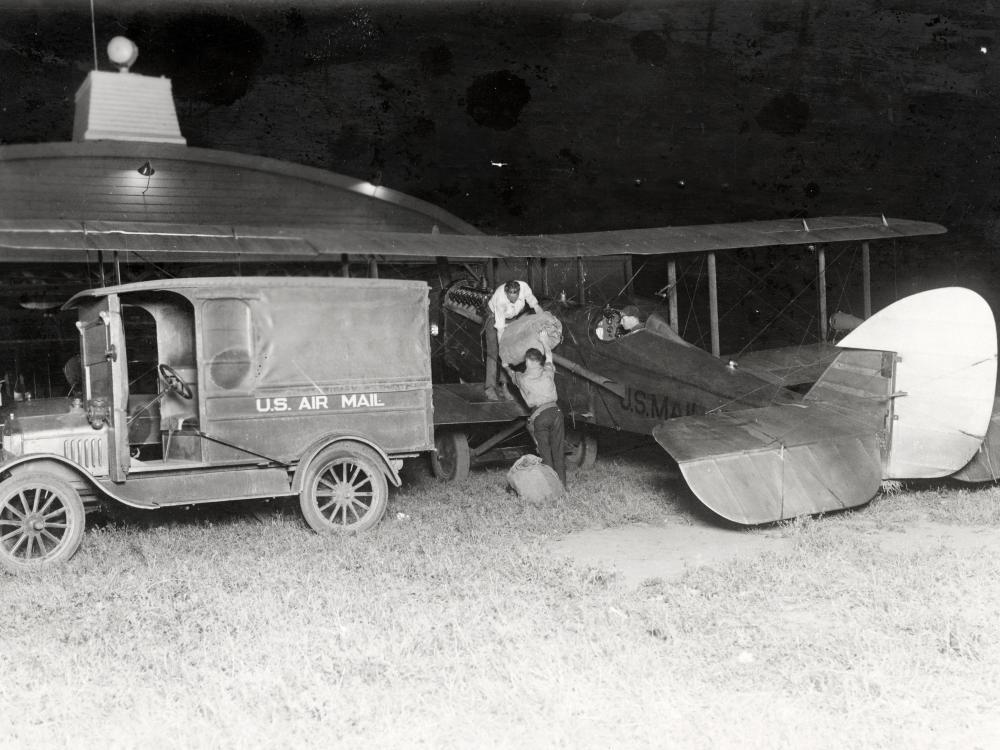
<point>915,402</point>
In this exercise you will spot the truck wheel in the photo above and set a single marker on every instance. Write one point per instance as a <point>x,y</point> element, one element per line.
<point>344,490</point>
<point>41,522</point>
<point>581,449</point>
<point>451,460</point>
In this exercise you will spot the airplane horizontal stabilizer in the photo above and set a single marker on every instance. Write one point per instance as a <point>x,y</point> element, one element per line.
<point>762,465</point>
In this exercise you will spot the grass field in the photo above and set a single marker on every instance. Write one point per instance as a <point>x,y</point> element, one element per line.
<point>450,625</point>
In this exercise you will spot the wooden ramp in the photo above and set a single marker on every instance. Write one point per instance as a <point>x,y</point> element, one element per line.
<point>466,404</point>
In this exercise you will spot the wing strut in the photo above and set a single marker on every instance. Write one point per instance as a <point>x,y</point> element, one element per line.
<point>866,277</point>
<point>713,303</point>
<point>821,283</point>
<point>672,294</point>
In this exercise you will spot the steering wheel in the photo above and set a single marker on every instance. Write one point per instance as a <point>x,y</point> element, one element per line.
<point>175,382</point>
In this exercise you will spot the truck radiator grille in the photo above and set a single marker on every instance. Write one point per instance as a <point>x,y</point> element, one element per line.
<point>87,452</point>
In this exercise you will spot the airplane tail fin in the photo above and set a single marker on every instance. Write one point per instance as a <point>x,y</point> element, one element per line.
<point>945,342</point>
<point>909,397</point>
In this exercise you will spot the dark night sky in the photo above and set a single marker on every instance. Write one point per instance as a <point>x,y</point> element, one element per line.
<point>572,116</point>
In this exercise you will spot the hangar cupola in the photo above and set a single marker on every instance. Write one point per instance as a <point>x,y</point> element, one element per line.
<point>125,106</point>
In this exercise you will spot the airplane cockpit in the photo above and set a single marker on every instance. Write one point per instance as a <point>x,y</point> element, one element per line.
<point>613,324</point>
<point>608,326</point>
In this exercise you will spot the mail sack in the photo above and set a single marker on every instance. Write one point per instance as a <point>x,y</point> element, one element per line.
<point>521,334</point>
<point>533,481</point>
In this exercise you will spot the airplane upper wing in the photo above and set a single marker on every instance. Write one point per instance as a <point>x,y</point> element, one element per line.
<point>65,240</point>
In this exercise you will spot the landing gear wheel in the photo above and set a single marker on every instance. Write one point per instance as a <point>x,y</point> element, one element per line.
<point>451,460</point>
<point>581,450</point>
<point>344,489</point>
<point>41,522</point>
<point>175,382</point>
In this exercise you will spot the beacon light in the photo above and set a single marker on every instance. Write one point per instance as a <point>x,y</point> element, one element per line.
<point>122,52</point>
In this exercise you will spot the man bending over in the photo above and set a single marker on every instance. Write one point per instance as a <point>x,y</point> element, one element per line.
<point>507,303</point>
<point>538,387</point>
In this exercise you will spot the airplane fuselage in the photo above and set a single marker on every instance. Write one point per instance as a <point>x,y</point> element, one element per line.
<point>630,382</point>
<point>646,377</point>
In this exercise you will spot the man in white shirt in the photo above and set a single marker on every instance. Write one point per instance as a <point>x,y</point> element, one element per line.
<point>507,302</point>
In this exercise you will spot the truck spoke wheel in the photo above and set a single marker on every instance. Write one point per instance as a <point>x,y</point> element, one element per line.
<point>344,490</point>
<point>41,522</point>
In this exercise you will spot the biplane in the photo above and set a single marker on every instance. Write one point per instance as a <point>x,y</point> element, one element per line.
<point>908,393</point>
<point>754,440</point>
<point>753,449</point>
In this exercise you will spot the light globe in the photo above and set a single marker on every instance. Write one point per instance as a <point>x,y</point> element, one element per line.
<point>122,52</point>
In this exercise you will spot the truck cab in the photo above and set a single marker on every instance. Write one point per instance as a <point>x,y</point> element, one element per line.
<point>216,389</point>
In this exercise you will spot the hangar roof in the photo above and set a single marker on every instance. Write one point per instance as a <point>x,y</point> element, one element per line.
<point>100,181</point>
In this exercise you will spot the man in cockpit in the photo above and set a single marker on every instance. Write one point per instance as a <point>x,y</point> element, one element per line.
<point>631,320</point>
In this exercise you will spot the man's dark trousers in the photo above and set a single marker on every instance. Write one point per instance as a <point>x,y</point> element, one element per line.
<point>549,432</point>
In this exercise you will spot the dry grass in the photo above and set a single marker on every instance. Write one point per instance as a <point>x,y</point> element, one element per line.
<point>449,626</point>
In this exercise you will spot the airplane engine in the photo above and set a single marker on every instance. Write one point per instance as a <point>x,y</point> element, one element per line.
<point>466,301</point>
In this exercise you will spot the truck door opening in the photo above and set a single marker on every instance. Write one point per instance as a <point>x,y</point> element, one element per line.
<point>162,373</point>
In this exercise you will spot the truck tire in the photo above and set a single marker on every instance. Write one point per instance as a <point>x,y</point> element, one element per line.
<point>344,489</point>
<point>451,459</point>
<point>41,522</point>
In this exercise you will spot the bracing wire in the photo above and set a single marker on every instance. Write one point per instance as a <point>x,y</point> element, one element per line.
<point>690,318</point>
<point>792,301</point>
<point>629,282</point>
<point>760,280</point>
<point>850,270</point>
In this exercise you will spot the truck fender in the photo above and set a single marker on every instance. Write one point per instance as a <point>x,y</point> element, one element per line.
<point>60,466</point>
<point>310,453</point>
